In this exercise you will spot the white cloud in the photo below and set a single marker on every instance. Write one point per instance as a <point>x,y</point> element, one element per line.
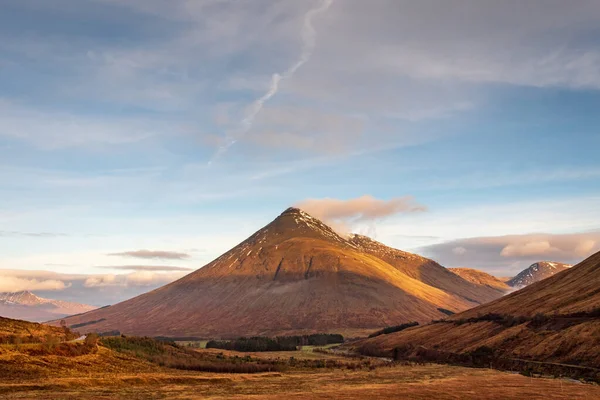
<point>15,284</point>
<point>362,208</point>
<point>505,255</point>
<point>133,279</point>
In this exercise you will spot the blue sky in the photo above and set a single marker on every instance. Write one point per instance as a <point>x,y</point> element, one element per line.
<point>185,126</point>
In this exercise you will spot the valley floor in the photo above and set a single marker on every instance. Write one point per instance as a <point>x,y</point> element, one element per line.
<point>399,381</point>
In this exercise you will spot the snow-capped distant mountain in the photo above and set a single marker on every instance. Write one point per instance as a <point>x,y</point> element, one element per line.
<point>536,272</point>
<point>27,306</point>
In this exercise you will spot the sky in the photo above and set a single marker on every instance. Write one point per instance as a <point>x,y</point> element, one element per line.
<point>139,140</point>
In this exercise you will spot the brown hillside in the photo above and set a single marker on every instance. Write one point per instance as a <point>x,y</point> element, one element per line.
<point>554,320</point>
<point>14,327</point>
<point>294,275</point>
<point>481,278</point>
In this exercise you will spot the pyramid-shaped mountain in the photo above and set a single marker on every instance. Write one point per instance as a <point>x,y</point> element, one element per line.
<point>295,275</point>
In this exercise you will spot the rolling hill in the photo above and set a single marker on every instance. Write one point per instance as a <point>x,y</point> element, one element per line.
<point>295,275</point>
<point>554,320</point>
<point>27,306</point>
<point>536,272</point>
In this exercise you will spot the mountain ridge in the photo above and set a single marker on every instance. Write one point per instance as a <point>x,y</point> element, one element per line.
<point>26,305</point>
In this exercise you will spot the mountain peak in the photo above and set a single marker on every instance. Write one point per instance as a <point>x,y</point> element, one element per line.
<point>536,272</point>
<point>294,222</point>
<point>21,297</point>
<point>292,210</point>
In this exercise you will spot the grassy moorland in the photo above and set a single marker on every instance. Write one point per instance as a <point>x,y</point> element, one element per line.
<point>53,366</point>
<point>400,381</point>
<point>139,368</point>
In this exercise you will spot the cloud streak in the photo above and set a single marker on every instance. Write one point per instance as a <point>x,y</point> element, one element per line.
<point>309,37</point>
<point>145,268</point>
<point>32,234</point>
<point>152,254</point>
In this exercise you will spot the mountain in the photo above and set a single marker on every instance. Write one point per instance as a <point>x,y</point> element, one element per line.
<point>536,272</point>
<point>554,320</point>
<point>425,270</point>
<point>27,306</point>
<point>295,275</point>
<point>481,278</point>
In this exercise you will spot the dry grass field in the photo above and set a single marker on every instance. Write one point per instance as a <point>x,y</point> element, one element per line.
<point>108,374</point>
<point>411,381</point>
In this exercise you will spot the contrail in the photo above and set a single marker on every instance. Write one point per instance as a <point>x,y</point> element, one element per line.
<point>309,37</point>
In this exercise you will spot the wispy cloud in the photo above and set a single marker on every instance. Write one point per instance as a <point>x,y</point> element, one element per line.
<point>152,254</point>
<point>146,268</point>
<point>309,41</point>
<point>53,129</point>
<point>33,234</point>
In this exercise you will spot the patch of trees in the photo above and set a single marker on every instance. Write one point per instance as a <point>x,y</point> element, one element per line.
<point>178,338</point>
<point>135,345</point>
<point>250,344</point>
<point>82,324</point>
<point>169,354</point>
<point>279,343</point>
<point>110,333</point>
<point>392,329</point>
<point>444,311</point>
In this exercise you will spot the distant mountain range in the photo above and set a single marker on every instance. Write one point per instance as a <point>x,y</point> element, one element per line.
<point>27,306</point>
<point>295,275</point>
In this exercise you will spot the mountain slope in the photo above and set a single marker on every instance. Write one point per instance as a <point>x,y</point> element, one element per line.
<point>426,271</point>
<point>481,278</point>
<point>537,272</point>
<point>294,275</point>
<point>27,306</point>
<point>553,320</point>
